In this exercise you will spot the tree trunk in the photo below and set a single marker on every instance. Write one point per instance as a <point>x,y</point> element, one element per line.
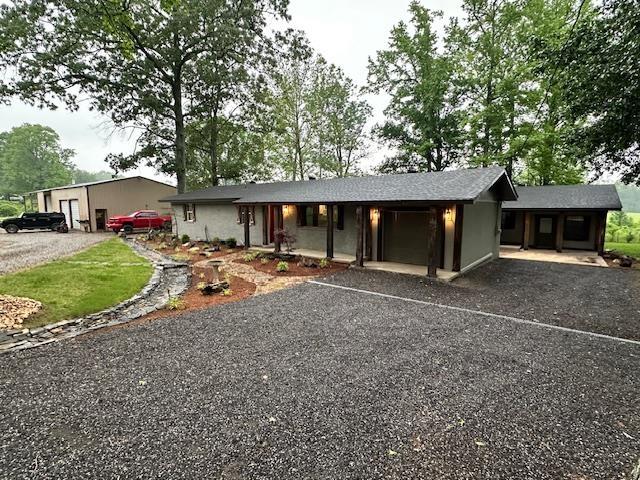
<point>213,149</point>
<point>180,147</point>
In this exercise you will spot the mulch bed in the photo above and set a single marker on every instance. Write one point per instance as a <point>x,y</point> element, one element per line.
<point>295,270</point>
<point>194,300</point>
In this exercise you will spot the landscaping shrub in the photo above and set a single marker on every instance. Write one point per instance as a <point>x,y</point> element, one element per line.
<point>231,242</point>
<point>227,292</point>
<point>264,261</point>
<point>215,241</point>
<point>324,263</point>
<point>282,266</point>
<point>10,209</point>
<point>250,257</point>
<point>176,303</point>
<point>185,238</point>
<point>286,237</point>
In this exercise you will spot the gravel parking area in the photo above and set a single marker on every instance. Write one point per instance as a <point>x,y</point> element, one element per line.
<point>600,300</point>
<point>316,382</point>
<point>26,249</point>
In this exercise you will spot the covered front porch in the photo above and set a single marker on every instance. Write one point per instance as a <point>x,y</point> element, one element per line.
<point>416,239</point>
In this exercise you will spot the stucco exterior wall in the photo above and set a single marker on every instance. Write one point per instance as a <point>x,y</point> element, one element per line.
<point>480,232</point>
<point>315,238</point>
<point>218,220</point>
<point>125,196</point>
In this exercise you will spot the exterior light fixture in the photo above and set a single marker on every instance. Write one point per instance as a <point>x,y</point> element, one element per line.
<point>448,214</point>
<point>322,209</point>
<point>374,215</point>
<point>285,209</point>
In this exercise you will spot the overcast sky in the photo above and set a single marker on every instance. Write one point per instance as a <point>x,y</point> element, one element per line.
<point>345,32</point>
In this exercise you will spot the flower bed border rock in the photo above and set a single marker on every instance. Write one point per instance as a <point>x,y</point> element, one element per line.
<point>169,279</point>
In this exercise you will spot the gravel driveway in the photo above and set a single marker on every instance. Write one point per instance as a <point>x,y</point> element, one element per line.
<point>317,382</point>
<point>600,300</point>
<point>25,249</point>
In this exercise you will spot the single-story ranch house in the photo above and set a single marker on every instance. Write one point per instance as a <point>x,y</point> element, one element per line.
<point>559,217</point>
<point>95,202</point>
<point>441,220</point>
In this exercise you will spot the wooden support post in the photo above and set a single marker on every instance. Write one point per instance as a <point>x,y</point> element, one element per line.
<point>359,236</point>
<point>247,225</point>
<point>432,243</point>
<point>277,214</point>
<point>601,231</point>
<point>457,238</point>
<point>559,232</point>
<point>330,210</point>
<point>526,229</point>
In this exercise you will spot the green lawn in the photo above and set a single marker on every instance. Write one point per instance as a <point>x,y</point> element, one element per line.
<point>85,283</point>
<point>631,249</point>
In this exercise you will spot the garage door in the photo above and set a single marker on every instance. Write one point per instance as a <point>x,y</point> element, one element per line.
<point>405,237</point>
<point>64,208</point>
<point>75,213</point>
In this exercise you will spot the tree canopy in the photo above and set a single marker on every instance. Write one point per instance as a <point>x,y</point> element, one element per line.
<point>31,158</point>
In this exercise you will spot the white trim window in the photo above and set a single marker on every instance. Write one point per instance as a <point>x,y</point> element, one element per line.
<point>189,212</point>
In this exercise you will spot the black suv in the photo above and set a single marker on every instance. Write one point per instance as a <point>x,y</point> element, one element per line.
<point>33,221</point>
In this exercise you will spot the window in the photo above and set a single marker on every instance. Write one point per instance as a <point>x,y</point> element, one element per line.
<point>317,216</point>
<point>189,212</point>
<point>577,228</point>
<point>508,220</point>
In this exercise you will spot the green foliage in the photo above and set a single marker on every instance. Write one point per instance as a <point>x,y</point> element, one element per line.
<point>282,266</point>
<point>31,158</point>
<point>84,176</point>
<point>250,257</point>
<point>185,238</point>
<point>175,303</point>
<point>264,261</point>
<point>599,75</point>
<point>315,114</point>
<point>10,209</point>
<point>103,276</point>
<point>623,227</point>
<point>422,120</point>
<point>630,249</point>
<point>231,242</point>
<point>145,67</point>
<point>324,263</point>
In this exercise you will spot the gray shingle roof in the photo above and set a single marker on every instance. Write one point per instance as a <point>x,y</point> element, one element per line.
<point>566,197</point>
<point>450,186</point>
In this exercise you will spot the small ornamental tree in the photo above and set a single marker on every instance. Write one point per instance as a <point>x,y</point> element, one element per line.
<point>285,237</point>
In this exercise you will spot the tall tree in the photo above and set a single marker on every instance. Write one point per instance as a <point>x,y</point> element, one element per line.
<point>490,78</point>
<point>291,90</point>
<point>339,117</point>
<point>136,61</point>
<point>423,121</point>
<point>599,72</point>
<point>31,158</point>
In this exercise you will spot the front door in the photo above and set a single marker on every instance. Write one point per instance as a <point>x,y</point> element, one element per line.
<point>545,231</point>
<point>101,219</point>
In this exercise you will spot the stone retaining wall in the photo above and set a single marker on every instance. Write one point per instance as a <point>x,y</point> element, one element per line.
<point>169,279</point>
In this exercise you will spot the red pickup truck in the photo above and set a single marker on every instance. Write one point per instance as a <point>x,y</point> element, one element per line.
<point>142,219</point>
